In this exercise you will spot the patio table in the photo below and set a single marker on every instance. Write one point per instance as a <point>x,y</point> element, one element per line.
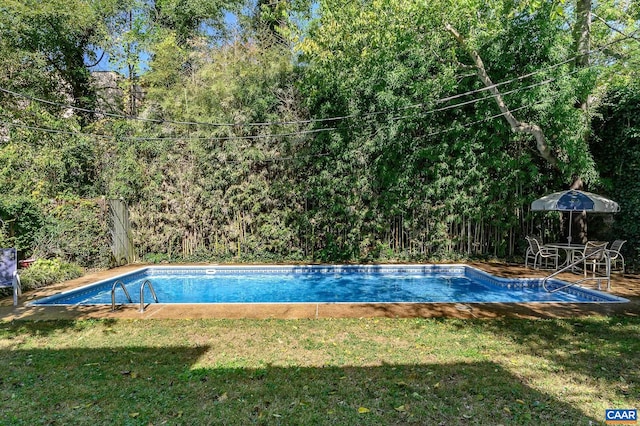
<point>570,252</point>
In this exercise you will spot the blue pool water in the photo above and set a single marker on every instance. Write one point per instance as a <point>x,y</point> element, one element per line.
<point>325,284</point>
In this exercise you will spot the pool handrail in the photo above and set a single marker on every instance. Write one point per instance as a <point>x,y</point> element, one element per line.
<point>153,294</point>
<point>113,294</point>
<point>573,265</point>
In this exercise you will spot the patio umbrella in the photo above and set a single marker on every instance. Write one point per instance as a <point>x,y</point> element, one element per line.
<point>574,200</point>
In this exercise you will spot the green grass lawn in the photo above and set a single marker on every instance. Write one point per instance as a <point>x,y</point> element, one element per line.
<point>318,372</point>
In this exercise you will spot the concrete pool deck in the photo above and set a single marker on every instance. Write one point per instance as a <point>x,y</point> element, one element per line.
<point>627,287</point>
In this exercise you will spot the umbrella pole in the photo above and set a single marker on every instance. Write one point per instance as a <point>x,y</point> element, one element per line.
<point>570,220</point>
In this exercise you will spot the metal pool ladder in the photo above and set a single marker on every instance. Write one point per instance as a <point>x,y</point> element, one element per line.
<point>126,293</point>
<point>113,294</point>
<point>153,293</point>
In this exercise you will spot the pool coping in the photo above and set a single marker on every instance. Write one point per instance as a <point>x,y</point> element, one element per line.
<point>627,286</point>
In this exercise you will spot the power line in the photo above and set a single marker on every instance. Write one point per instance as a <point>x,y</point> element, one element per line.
<point>47,130</point>
<point>312,131</point>
<point>473,123</point>
<point>297,133</point>
<point>64,132</point>
<point>167,121</point>
<point>273,159</point>
<point>295,157</point>
<point>250,137</point>
<point>225,138</point>
<point>308,121</point>
<point>134,138</point>
<point>326,154</point>
<point>472,101</point>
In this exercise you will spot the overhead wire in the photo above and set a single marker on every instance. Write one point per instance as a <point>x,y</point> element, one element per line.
<point>317,130</point>
<point>307,121</point>
<point>212,138</point>
<point>276,159</point>
<point>325,154</point>
<point>250,137</point>
<point>472,101</point>
<point>164,121</point>
<point>296,133</point>
<point>473,123</point>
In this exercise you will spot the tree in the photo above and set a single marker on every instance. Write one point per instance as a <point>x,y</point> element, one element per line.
<point>615,143</point>
<point>516,125</point>
<point>333,131</point>
<point>63,35</point>
<point>417,117</point>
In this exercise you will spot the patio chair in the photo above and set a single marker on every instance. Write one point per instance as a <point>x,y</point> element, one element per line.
<point>595,256</point>
<point>615,256</point>
<point>9,272</point>
<point>538,253</point>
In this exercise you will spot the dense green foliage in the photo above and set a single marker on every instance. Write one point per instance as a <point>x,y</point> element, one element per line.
<point>408,155</point>
<point>327,131</point>
<point>43,272</point>
<point>616,147</point>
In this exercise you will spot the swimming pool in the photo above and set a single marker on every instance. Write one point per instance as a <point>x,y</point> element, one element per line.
<point>223,284</point>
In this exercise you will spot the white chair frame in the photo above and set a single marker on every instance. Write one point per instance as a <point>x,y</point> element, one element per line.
<point>539,252</point>
<point>615,256</point>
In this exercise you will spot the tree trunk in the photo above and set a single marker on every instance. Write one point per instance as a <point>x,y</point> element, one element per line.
<point>516,125</point>
<point>582,33</point>
<point>579,224</point>
<point>582,46</point>
<point>582,43</point>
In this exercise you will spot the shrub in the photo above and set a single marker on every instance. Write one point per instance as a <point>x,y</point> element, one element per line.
<point>156,258</point>
<point>44,272</point>
<point>75,231</point>
<point>22,219</point>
